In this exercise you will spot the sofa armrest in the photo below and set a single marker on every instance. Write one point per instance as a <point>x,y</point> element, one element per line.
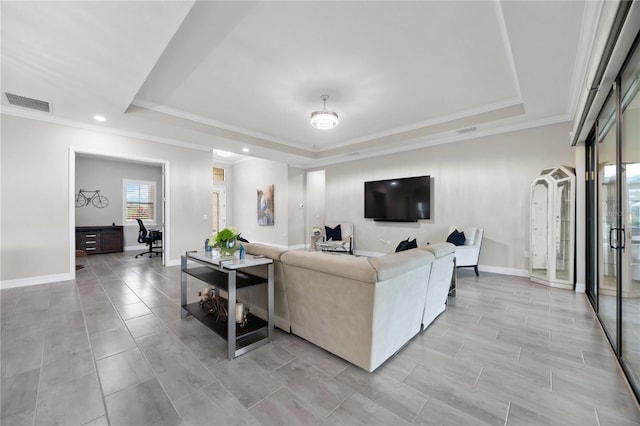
<point>394,264</point>
<point>258,249</point>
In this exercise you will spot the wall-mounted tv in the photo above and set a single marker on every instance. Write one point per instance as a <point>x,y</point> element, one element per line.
<point>398,200</point>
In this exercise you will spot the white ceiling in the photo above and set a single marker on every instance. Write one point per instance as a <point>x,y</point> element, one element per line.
<point>234,75</point>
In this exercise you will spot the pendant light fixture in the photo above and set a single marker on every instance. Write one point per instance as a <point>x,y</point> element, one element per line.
<point>324,119</point>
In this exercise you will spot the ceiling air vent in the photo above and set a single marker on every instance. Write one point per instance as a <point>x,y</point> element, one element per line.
<point>467,130</point>
<point>23,101</point>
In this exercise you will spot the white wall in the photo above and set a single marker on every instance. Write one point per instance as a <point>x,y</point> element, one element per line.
<point>297,228</point>
<point>35,224</point>
<point>107,175</point>
<point>482,182</point>
<point>248,175</point>
<point>316,198</point>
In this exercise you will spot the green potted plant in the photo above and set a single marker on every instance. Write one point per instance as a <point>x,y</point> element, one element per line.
<point>225,240</point>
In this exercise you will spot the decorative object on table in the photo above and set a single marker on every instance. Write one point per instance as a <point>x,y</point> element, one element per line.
<point>316,231</point>
<point>226,241</point>
<point>241,314</point>
<point>266,205</point>
<point>241,251</point>
<point>207,247</point>
<point>213,304</point>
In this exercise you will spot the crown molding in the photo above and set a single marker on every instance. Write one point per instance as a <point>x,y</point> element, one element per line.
<point>213,123</point>
<point>338,159</point>
<point>427,142</point>
<point>483,109</point>
<point>19,112</point>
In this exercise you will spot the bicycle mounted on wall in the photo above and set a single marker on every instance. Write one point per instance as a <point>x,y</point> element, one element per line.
<point>99,201</point>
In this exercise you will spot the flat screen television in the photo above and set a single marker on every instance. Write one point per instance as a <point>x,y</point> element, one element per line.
<point>398,200</point>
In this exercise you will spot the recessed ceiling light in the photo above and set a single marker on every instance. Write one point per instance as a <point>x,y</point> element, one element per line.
<point>224,154</point>
<point>99,118</point>
<point>245,149</point>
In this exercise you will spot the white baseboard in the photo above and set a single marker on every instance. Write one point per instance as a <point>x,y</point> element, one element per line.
<point>504,271</point>
<point>172,262</point>
<point>136,248</point>
<point>43,279</point>
<point>581,288</point>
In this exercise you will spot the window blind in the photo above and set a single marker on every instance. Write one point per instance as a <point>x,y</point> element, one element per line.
<point>140,201</point>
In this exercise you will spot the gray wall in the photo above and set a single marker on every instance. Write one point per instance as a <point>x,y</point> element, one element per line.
<point>37,155</point>
<point>107,175</point>
<point>482,182</point>
<point>247,176</point>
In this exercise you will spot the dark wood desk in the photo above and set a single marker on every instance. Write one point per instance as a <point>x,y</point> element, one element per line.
<point>99,239</point>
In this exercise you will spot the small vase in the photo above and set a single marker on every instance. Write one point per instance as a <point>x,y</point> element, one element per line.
<point>229,247</point>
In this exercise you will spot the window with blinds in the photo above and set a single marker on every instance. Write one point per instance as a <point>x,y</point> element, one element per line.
<point>140,200</point>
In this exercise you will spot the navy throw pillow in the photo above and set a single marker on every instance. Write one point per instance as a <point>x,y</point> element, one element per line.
<point>334,234</point>
<point>406,245</point>
<point>456,238</point>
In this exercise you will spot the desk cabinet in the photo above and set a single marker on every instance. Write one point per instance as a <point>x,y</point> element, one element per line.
<point>99,239</point>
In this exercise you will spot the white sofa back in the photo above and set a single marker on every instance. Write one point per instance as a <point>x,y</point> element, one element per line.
<point>256,296</point>
<point>439,280</point>
<point>363,310</point>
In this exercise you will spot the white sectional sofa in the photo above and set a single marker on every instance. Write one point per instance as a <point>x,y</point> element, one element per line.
<point>361,309</point>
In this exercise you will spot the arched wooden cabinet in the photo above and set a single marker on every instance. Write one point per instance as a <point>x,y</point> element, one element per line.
<point>552,229</point>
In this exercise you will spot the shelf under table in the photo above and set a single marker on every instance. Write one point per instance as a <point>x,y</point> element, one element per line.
<point>211,276</point>
<point>254,324</point>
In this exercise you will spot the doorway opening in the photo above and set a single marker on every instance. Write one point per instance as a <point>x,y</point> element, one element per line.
<point>116,214</point>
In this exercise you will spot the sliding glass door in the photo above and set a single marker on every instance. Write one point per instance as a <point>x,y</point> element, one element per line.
<point>607,178</point>
<point>613,217</point>
<point>630,209</point>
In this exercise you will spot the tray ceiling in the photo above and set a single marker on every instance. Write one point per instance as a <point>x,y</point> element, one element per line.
<point>233,75</point>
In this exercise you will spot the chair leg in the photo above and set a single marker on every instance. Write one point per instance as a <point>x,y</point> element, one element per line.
<point>475,268</point>
<point>150,252</point>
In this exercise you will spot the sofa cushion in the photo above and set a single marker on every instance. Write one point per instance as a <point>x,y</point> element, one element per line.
<point>356,268</point>
<point>257,249</point>
<point>440,249</point>
<point>394,264</point>
<point>406,245</point>
<point>334,234</point>
<point>457,238</point>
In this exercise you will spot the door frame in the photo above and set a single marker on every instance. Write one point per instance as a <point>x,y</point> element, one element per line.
<point>118,156</point>
<point>222,196</point>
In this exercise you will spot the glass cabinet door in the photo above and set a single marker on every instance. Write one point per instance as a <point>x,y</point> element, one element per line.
<point>563,264</point>
<point>540,229</point>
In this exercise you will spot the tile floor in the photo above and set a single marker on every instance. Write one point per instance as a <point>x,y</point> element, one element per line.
<point>110,348</point>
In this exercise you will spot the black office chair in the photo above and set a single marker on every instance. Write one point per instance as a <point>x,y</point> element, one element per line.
<point>149,238</point>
